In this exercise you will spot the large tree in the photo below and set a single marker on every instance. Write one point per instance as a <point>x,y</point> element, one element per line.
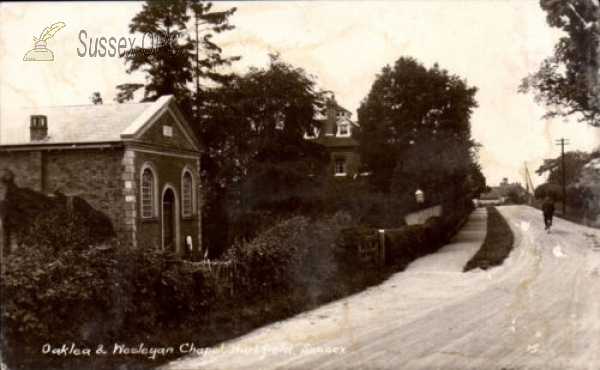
<point>258,159</point>
<point>188,59</point>
<point>574,162</point>
<point>569,81</point>
<point>415,131</point>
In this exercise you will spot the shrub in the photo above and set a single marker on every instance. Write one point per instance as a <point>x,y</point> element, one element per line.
<point>408,243</point>
<point>295,252</point>
<point>39,220</point>
<point>94,295</point>
<point>552,190</point>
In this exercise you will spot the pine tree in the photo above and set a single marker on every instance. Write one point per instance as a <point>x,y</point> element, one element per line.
<point>178,54</point>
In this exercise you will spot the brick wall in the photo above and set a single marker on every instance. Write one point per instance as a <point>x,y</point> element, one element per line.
<point>352,162</point>
<point>155,135</point>
<point>26,166</point>
<point>170,169</point>
<point>92,174</point>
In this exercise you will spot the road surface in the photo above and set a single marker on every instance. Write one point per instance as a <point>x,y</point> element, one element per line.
<point>539,310</point>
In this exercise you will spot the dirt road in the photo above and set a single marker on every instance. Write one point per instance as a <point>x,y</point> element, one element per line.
<point>540,310</point>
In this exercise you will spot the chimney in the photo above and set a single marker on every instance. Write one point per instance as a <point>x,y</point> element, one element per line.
<point>38,128</point>
<point>331,126</point>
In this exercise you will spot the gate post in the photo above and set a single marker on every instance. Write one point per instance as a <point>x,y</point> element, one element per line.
<point>381,248</point>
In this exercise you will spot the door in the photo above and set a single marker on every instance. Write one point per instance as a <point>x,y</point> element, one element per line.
<point>168,219</point>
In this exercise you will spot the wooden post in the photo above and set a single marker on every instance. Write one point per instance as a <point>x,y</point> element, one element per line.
<point>381,248</point>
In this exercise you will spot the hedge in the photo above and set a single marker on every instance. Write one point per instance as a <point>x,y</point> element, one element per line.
<point>99,294</point>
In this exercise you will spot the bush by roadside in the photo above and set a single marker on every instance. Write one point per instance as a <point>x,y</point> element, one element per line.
<point>97,295</point>
<point>497,245</point>
<point>112,293</point>
<point>297,254</point>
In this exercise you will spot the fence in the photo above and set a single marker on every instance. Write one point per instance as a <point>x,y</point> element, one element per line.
<point>221,275</point>
<point>371,249</point>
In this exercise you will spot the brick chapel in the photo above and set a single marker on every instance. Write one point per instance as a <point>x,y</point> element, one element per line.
<point>138,163</point>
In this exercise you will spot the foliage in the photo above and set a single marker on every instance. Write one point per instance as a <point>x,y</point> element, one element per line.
<point>515,197</point>
<point>295,252</point>
<point>367,209</point>
<point>581,192</point>
<point>497,245</point>
<point>96,98</point>
<point>552,190</point>
<point>38,220</point>
<point>182,57</point>
<point>257,159</point>
<point>261,116</point>
<point>574,162</point>
<point>569,81</point>
<point>410,111</point>
<point>98,294</point>
<point>126,91</point>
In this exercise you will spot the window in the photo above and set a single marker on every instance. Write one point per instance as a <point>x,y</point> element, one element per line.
<point>186,194</point>
<point>343,130</point>
<point>38,121</point>
<point>340,166</point>
<point>312,134</point>
<point>148,189</point>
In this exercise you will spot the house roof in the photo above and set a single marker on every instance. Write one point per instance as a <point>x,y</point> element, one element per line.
<point>593,164</point>
<point>80,124</point>
<point>336,141</point>
<point>342,120</point>
<point>494,193</point>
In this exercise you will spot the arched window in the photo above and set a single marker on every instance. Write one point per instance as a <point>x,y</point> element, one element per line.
<point>187,194</point>
<point>148,193</point>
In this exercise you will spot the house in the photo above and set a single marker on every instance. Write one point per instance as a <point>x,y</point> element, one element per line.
<point>503,193</point>
<point>139,164</point>
<point>335,133</point>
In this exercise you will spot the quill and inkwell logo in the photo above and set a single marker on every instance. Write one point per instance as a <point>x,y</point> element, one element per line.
<point>40,53</point>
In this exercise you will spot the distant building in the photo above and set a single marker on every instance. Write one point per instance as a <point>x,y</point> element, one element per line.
<point>335,133</point>
<point>137,163</point>
<point>502,194</point>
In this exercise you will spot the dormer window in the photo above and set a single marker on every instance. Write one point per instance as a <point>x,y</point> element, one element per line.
<point>312,134</point>
<point>343,130</point>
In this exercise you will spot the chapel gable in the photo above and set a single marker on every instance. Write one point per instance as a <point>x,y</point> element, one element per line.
<point>167,131</point>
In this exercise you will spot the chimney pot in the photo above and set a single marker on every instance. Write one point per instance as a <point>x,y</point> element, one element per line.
<point>38,128</point>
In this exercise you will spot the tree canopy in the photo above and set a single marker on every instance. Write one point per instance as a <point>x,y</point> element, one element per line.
<point>568,82</point>
<point>187,58</point>
<point>415,130</point>
<point>257,158</point>
<point>574,162</point>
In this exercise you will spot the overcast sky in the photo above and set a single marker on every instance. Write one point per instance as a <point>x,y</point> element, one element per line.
<point>491,44</point>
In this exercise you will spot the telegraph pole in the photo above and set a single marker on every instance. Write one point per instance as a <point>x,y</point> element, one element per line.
<point>529,184</point>
<point>562,142</point>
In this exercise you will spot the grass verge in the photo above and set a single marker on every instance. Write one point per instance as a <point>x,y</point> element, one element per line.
<point>497,245</point>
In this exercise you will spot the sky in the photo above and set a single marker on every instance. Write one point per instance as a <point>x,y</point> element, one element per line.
<point>491,44</point>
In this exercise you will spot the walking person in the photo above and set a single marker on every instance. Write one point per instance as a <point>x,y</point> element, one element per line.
<point>548,210</point>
